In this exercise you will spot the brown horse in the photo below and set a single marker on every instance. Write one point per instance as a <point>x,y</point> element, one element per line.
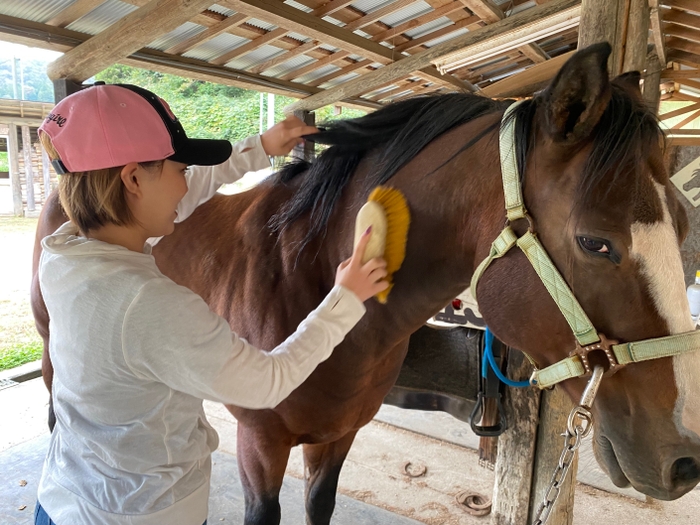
<point>594,181</point>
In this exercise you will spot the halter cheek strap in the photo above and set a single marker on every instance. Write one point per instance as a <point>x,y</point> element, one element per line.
<point>587,337</point>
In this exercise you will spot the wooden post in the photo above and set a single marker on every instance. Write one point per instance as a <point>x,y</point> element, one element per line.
<point>306,151</point>
<point>622,23</point>
<point>652,81</point>
<point>28,169</point>
<point>63,87</point>
<point>13,152</point>
<point>45,163</point>
<point>516,449</point>
<point>554,412</point>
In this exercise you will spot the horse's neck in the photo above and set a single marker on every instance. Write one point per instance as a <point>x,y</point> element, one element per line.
<point>456,211</point>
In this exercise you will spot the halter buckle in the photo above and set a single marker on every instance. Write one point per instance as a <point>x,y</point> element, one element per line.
<point>604,345</point>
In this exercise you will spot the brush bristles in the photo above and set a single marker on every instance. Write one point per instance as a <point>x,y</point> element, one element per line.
<point>398,219</point>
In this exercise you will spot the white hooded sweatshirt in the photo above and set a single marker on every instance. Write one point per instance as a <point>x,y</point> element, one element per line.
<point>134,354</point>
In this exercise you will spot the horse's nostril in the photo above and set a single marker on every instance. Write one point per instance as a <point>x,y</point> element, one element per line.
<point>684,470</point>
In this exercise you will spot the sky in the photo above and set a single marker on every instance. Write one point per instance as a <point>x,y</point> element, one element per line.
<point>8,50</point>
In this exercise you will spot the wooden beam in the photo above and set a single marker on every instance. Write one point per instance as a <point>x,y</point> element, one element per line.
<point>28,168</point>
<point>687,5</point>
<point>686,121</point>
<point>13,152</point>
<point>129,34</point>
<point>331,7</point>
<point>471,23</point>
<point>683,57</point>
<point>303,48</point>
<point>526,82</point>
<point>657,31</point>
<point>357,66</point>
<point>603,22</point>
<point>513,27</point>
<point>377,14</point>
<point>682,32</point>
<point>207,34</point>
<point>675,74</point>
<point>489,12</point>
<point>683,45</point>
<point>315,65</point>
<point>679,111</point>
<point>73,12</point>
<point>682,19</point>
<point>285,16</point>
<point>637,36</point>
<point>389,34</point>
<point>652,82</point>
<point>271,36</point>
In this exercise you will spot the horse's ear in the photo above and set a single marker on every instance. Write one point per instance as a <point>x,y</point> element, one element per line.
<point>630,80</point>
<point>578,95</point>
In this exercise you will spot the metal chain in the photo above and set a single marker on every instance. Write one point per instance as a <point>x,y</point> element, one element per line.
<point>578,426</point>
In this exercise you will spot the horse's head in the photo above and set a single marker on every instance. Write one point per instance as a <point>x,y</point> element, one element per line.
<point>603,207</point>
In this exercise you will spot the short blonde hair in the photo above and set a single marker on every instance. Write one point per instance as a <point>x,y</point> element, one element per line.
<point>92,199</point>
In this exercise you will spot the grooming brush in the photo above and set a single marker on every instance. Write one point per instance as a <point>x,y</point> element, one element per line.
<point>387,212</point>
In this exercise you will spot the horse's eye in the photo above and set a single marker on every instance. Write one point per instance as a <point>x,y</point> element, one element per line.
<point>594,245</point>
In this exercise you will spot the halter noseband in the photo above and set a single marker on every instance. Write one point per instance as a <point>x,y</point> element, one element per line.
<point>588,339</point>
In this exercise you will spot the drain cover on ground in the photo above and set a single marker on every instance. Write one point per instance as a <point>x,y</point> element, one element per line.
<point>7,383</point>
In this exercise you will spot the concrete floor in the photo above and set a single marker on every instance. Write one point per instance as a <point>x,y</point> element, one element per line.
<point>373,486</point>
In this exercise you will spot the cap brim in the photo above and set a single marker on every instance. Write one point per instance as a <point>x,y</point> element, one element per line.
<point>202,152</point>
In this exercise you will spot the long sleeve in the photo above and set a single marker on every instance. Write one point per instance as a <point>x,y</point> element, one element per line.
<point>203,181</point>
<point>170,335</point>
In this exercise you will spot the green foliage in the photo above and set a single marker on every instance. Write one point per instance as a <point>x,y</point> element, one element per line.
<point>4,161</point>
<point>20,354</point>
<point>209,110</point>
<point>27,73</point>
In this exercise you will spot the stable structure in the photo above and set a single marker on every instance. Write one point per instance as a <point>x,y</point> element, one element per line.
<point>367,53</point>
<point>31,178</point>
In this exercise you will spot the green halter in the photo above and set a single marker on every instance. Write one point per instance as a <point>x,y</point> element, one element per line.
<point>588,339</point>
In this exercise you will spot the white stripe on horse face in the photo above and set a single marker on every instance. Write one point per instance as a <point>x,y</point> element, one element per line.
<point>655,247</point>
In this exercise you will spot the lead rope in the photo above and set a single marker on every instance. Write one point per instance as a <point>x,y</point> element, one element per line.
<point>578,426</point>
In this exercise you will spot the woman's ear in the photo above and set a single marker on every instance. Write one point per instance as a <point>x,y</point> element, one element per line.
<point>130,176</point>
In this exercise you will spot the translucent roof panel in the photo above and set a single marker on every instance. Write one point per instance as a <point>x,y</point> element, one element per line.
<point>34,10</point>
<point>216,46</point>
<point>102,17</point>
<point>179,34</point>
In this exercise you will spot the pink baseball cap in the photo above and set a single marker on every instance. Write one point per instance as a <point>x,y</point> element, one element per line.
<point>109,125</point>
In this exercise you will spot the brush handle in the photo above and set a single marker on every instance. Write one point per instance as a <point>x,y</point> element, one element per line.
<point>372,214</point>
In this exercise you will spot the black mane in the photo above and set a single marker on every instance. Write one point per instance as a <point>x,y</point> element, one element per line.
<point>401,130</point>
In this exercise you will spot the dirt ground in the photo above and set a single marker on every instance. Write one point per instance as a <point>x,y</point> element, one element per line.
<point>16,321</point>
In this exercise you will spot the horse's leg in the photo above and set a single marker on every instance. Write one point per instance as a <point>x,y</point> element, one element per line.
<point>262,459</point>
<point>323,464</point>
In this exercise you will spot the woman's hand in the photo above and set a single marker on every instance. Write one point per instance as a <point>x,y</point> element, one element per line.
<point>364,280</point>
<point>283,136</point>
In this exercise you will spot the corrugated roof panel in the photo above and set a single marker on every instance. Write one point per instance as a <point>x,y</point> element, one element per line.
<point>102,17</point>
<point>329,48</point>
<point>222,10</point>
<point>318,73</point>
<point>446,37</point>
<point>297,36</point>
<point>333,21</point>
<point>299,6</point>
<point>367,6</point>
<point>254,57</point>
<point>262,25</point>
<point>216,46</point>
<point>362,33</point>
<point>34,10</point>
<point>177,35</point>
<point>338,80</point>
<point>419,31</point>
<point>289,65</point>
<point>407,13</point>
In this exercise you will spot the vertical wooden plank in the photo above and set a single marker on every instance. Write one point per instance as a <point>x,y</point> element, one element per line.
<point>516,449</point>
<point>306,151</point>
<point>637,36</point>
<point>13,151</point>
<point>63,87</point>
<point>554,412</point>
<point>602,22</point>
<point>28,169</point>
<point>45,163</point>
<point>652,82</point>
